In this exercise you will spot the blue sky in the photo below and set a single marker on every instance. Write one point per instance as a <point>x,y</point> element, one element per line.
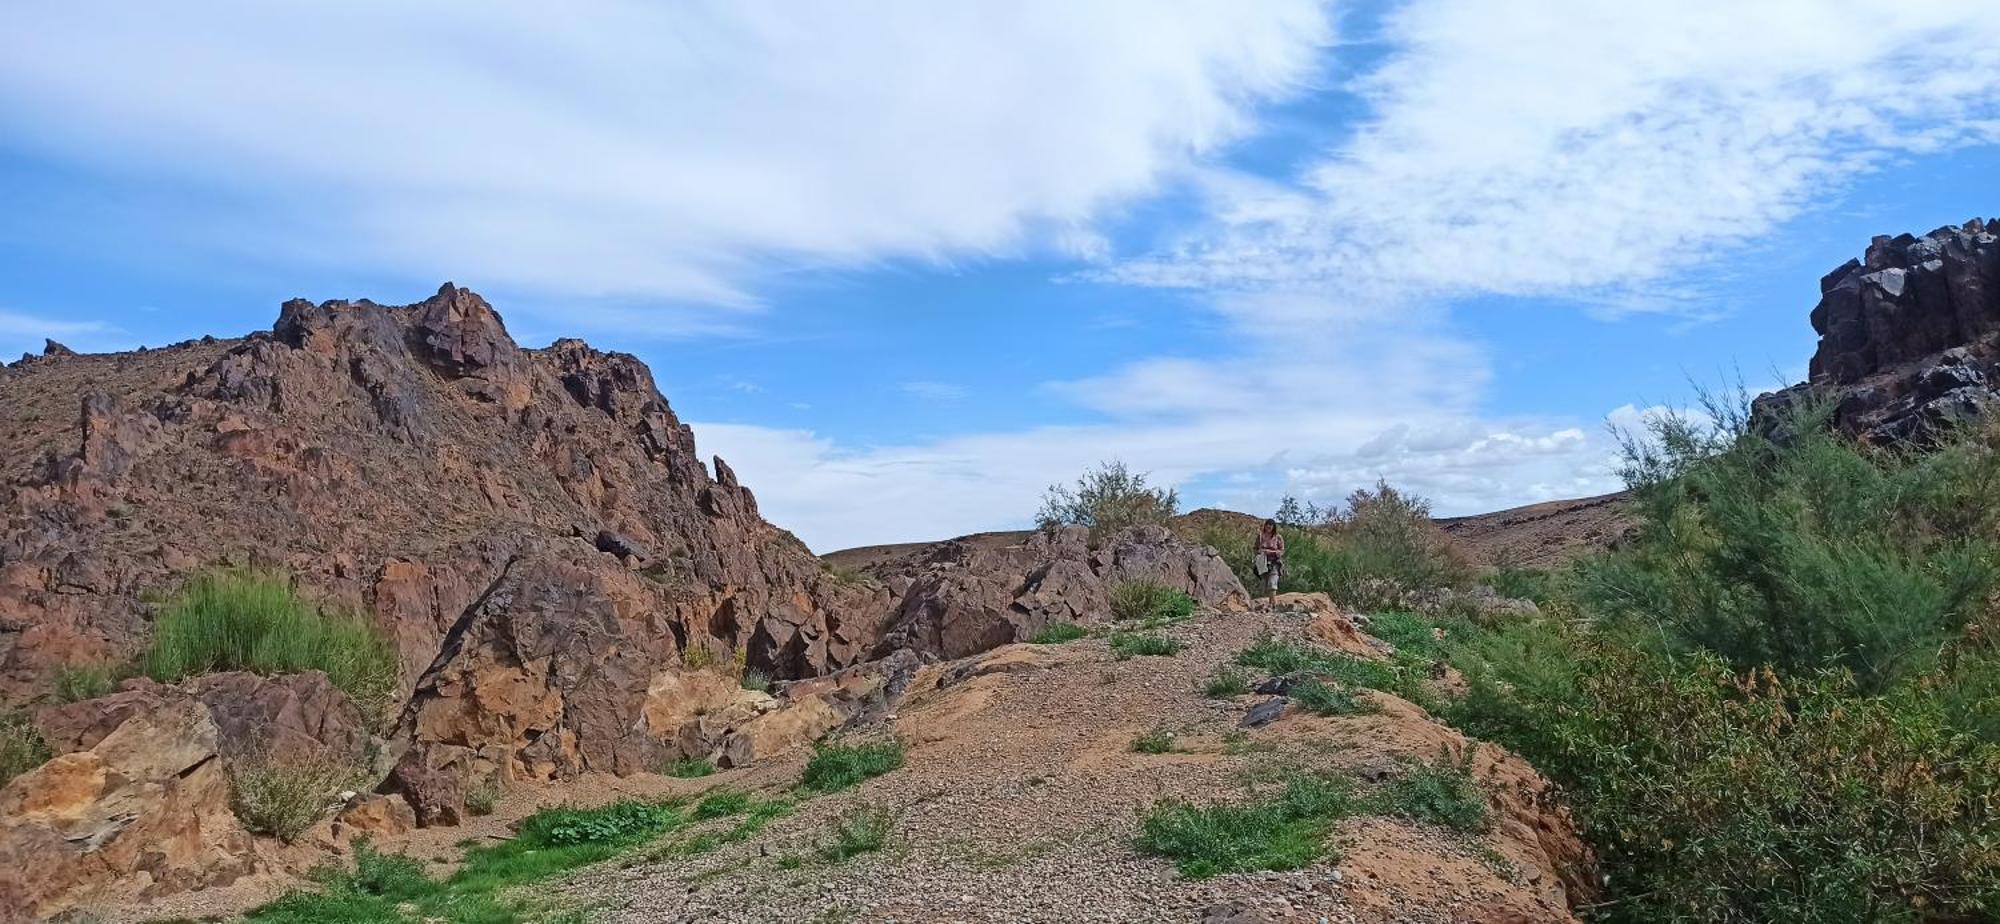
<point>906,264</point>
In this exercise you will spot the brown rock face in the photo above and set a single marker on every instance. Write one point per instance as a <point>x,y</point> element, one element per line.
<point>143,811</point>
<point>1909,336</point>
<point>532,527</point>
<point>960,598</point>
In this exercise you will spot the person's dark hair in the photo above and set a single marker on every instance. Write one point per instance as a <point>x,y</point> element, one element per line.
<point>1270,525</point>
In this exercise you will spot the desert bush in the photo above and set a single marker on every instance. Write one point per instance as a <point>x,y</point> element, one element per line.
<point>1808,554</point>
<point>21,746</point>
<point>1059,633</point>
<point>1105,500</point>
<point>755,680</point>
<point>1156,741</point>
<point>75,683</point>
<point>285,798</point>
<point>691,768</point>
<point>1149,601</point>
<point>253,621</point>
<point>620,822</point>
<point>1286,830</point>
<point>1127,645</point>
<point>1226,681</point>
<point>839,766</point>
<point>483,798</point>
<point>1442,794</point>
<point>1369,554</point>
<point>1714,795</point>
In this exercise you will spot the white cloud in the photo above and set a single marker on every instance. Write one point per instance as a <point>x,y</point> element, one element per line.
<point>609,148</point>
<point>24,332</point>
<point>1581,149</point>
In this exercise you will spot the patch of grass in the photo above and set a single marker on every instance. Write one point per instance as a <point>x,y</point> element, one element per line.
<point>1283,831</point>
<point>1284,656</point>
<point>689,768</point>
<point>861,829</point>
<point>1225,682</point>
<point>1132,644</point>
<point>1446,796</point>
<point>75,683</point>
<point>1236,742</point>
<point>1149,601</point>
<point>483,798</point>
<point>1157,741</point>
<point>1058,633</point>
<point>286,799</point>
<point>620,822</point>
<point>756,680</point>
<point>839,766</point>
<point>1324,698</point>
<point>722,804</point>
<point>253,621</point>
<point>21,746</point>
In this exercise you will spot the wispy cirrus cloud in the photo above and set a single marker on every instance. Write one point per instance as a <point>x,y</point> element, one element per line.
<point>21,332</point>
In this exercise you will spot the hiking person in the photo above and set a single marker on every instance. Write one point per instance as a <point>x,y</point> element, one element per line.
<point>1269,561</point>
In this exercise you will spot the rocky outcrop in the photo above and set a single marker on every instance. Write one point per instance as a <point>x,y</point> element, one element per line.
<point>1909,338</point>
<point>142,811</point>
<point>960,598</point>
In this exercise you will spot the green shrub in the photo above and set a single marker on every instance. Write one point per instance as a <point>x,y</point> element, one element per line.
<point>1226,681</point>
<point>1522,584</point>
<point>839,766</point>
<point>1235,544</point>
<point>1059,633</point>
<point>721,804</point>
<point>858,830</point>
<point>691,768</point>
<point>1317,696</point>
<point>75,683</point>
<point>1157,741</point>
<point>756,680</point>
<point>1149,601</point>
<point>1105,500</point>
<point>623,822</point>
<point>1131,644</point>
<point>1446,796</point>
<point>1284,831</point>
<point>21,746</point>
<point>251,621</point>
<point>284,799</point>
<point>1369,554</point>
<point>374,893</point>
<point>1718,796</point>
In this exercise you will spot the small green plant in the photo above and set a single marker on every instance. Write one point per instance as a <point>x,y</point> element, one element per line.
<point>1283,831</point>
<point>284,799</point>
<point>483,798</point>
<point>756,680</point>
<point>1282,656</point>
<point>858,830</point>
<point>697,657</point>
<point>235,620</point>
<point>1325,698</point>
<point>691,767</point>
<point>1157,741</point>
<point>1105,500</point>
<point>21,746</point>
<point>621,822</point>
<point>1149,601</point>
<point>1226,681</point>
<point>839,766</point>
<point>1446,796</point>
<point>75,683</point>
<point>1058,633</point>
<point>722,804</point>
<point>1131,644</point>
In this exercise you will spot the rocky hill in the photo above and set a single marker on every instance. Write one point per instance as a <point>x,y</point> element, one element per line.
<point>1909,336</point>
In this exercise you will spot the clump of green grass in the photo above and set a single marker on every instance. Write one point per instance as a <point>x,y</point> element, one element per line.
<point>689,768</point>
<point>1157,741</point>
<point>756,680</point>
<point>1405,678</point>
<point>1058,633</point>
<point>620,822</point>
<point>1226,681</point>
<point>75,683</point>
<point>861,829</point>
<point>839,766</point>
<point>1446,796</point>
<point>1131,644</point>
<point>1283,831</point>
<point>722,804</point>
<point>1149,601</point>
<point>21,746</point>
<point>236,620</point>
<point>284,799</point>
<point>1318,696</point>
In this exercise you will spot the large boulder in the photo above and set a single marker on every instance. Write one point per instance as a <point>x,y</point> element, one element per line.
<point>962,597</point>
<point>143,811</point>
<point>1909,338</point>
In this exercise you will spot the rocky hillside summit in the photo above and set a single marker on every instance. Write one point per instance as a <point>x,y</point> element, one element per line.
<point>1909,337</point>
<point>566,588</point>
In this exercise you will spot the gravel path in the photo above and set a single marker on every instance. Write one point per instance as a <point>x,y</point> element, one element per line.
<point>1020,799</point>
